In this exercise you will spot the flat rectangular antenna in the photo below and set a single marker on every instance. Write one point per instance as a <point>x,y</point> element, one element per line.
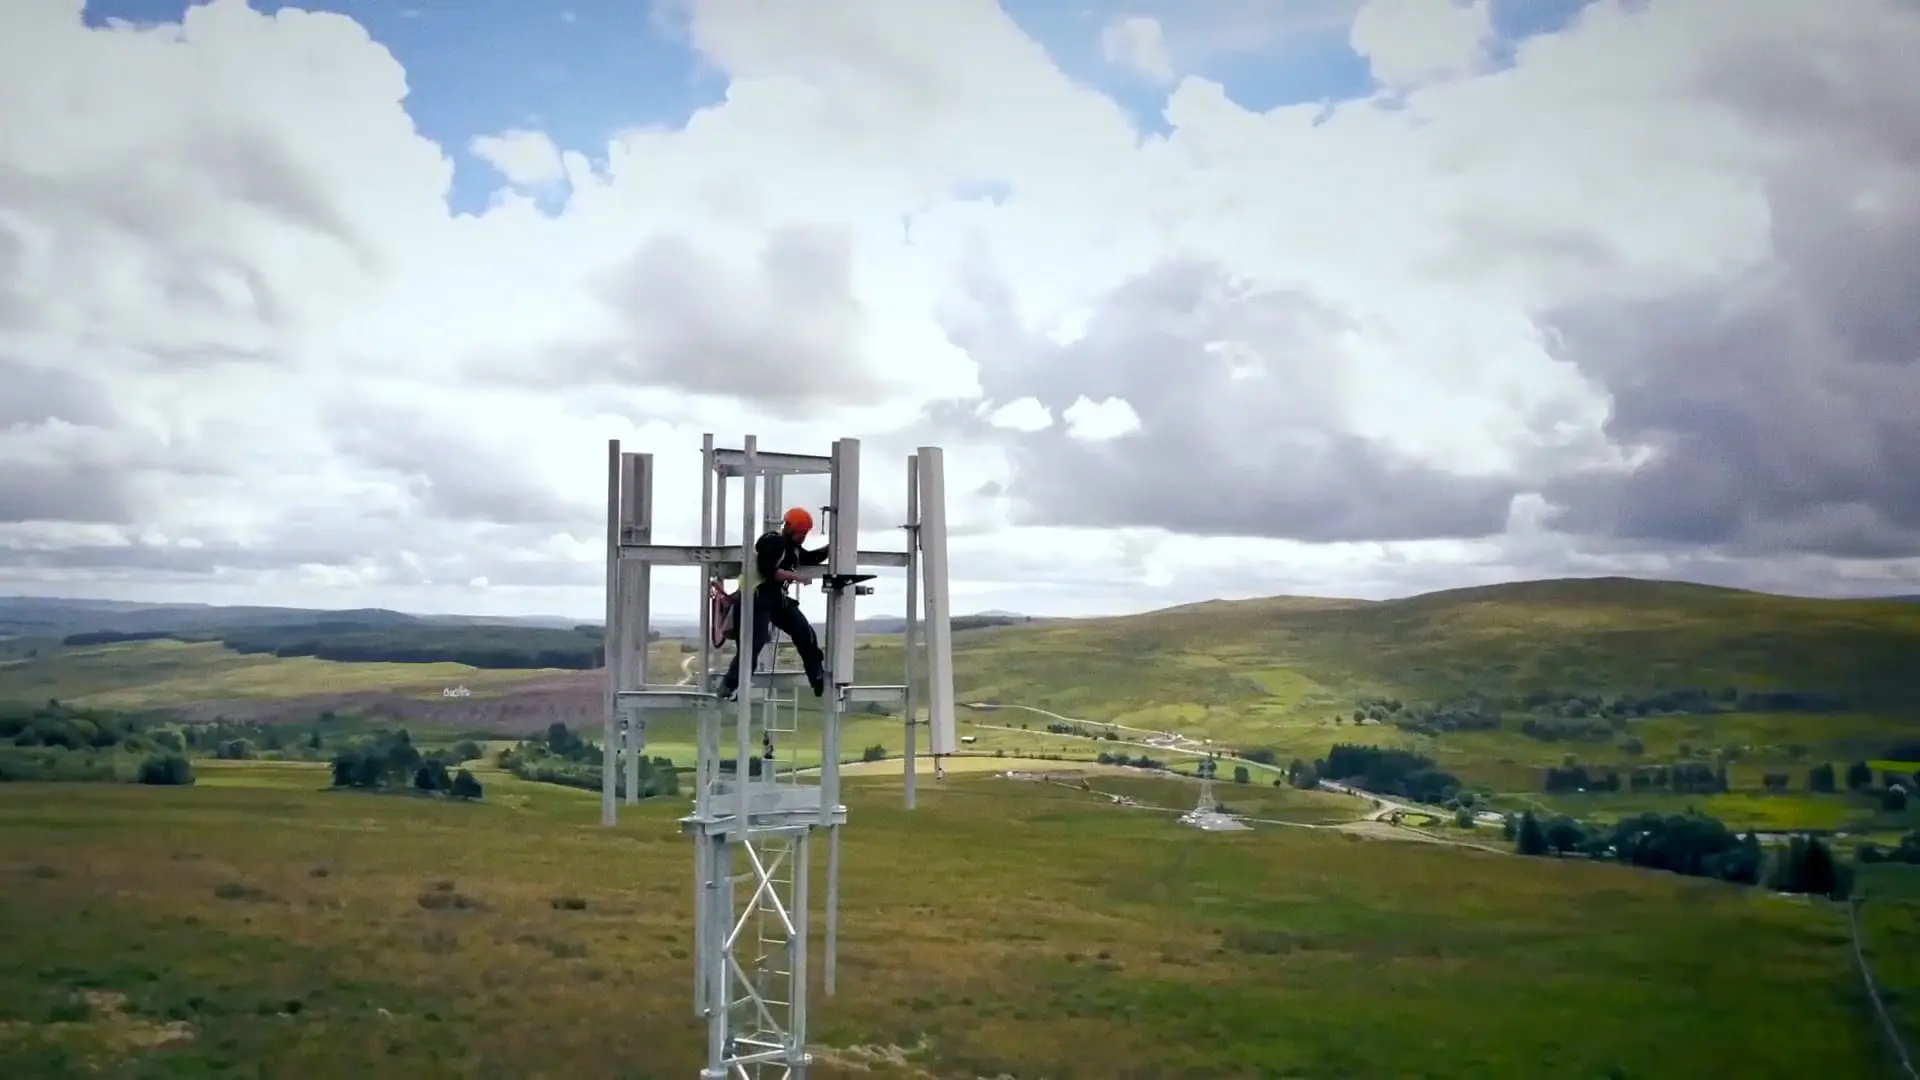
<point>610,642</point>
<point>636,589</point>
<point>843,556</point>
<point>939,626</point>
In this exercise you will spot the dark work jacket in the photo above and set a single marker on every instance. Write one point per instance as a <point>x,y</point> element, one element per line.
<point>774,552</point>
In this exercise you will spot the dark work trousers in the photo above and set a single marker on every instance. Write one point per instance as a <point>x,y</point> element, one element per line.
<point>778,610</point>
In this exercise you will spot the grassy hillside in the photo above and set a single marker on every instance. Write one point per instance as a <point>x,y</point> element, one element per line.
<point>33,616</point>
<point>1288,658</point>
<point>1257,670</point>
<point>1616,673</point>
<point>255,924</point>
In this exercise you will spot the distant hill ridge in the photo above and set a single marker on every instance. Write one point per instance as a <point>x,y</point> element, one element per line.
<point>1594,590</point>
<point>1230,668</point>
<point>60,616</point>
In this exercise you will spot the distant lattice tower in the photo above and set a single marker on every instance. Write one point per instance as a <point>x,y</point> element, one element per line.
<point>1207,771</point>
<point>756,810</point>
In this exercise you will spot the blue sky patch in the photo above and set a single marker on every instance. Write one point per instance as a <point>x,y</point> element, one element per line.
<point>581,70</point>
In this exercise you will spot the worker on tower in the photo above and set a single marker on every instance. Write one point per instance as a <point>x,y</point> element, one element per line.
<point>777,556</point>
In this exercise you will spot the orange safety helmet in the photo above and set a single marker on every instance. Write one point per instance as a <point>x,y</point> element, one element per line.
<point>798,520</point>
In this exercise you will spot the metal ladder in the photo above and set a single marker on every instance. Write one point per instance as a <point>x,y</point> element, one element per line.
<point>772,970</point>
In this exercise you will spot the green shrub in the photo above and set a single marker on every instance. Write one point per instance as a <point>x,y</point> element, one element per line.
<point>166,770</point>
<point>465,786</point>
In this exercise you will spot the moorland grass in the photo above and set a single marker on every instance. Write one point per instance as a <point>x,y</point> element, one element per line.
<point>261,925</point>
<point>1890,934</point>
<point>157,674</point>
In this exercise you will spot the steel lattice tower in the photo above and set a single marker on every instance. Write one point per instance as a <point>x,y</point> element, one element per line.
<point>756,810</point>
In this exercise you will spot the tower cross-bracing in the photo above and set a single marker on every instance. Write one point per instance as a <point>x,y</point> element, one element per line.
<point>757,801</point>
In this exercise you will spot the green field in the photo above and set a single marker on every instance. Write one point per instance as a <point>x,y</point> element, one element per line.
<point>159,673</point>
<point>258,925</point>
<point>1282,674</point>
<point>1890,931</point>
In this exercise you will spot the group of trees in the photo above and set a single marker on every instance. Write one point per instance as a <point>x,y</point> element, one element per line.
<point>1591,718</point>
<point>1699,778</point>
<point>1059,727</point>
<point>1562,716</point>
<point>1138,761</point>
<point>1387,771</point>
<point>562,756</point>
<point>1693,701</point>
<point>390,761</point>
<point>1685,778</point>
<point>1893,788</point>
<point>1472,713</point>
<point>64,727</point>
<point>1564,729</point>
<point>346,640</point>
<point>53,741</point>
<point>1906,851</point>
<point>1692,844</point>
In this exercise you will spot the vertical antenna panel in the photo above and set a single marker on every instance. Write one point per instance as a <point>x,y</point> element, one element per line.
<point>749,657</point>
<point>609,637</point>
<point>939,629</point>
<point>843,557</point>
<point>910,635</point>
<point>636,588</point>
<point>702,848</point>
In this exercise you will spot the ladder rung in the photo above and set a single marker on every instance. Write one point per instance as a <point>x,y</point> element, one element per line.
<point>774,679</point>
<point>662,697</point>
<point>873,693</point>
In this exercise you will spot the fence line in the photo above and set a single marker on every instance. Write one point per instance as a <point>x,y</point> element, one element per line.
<point>1887,1027</point>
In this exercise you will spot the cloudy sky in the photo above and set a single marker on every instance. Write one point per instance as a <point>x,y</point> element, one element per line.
<point>1219,298</point>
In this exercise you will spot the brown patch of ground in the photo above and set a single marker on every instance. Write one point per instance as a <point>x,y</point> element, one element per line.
<point>573,699</point>
<point>108,1027</point>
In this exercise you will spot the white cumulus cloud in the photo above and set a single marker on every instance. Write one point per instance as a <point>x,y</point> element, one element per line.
<point>1135,42</point>
<point>1634,301</point>
<point>526,158</point>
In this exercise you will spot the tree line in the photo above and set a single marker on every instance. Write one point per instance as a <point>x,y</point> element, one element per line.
<point>1388,771</point>
<point>1698,778</point>
<point>563,756</point>
<point>389,761</point>
<point>1138,761</point>
<point>54,741</point>
<point>58,742</point>
<point>1691,844</point>
<point>1685,778</point>
<point>345,641</point>
<point>1558,715</point>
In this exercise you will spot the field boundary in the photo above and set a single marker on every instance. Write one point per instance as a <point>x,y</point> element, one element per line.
<point>1887,1027</point>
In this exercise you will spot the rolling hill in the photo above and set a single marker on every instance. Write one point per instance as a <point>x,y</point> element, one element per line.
<point>1594,663</point>
<point>1586,665</point>
<point>1285,656</point>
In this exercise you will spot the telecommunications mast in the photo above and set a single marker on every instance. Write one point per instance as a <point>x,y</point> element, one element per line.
<point>755,812</point>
